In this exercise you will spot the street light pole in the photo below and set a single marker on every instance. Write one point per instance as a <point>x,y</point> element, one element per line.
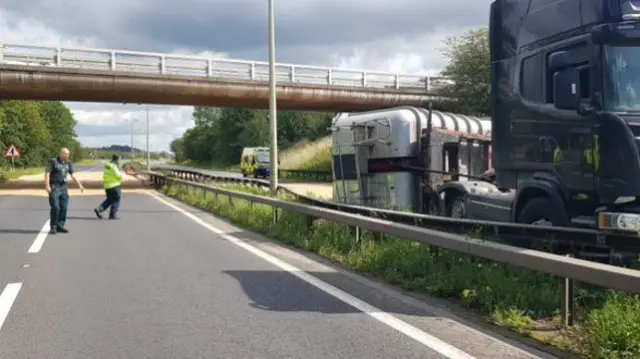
<point>148,145</point>
<point>273,120</point>
<point>133,123</point>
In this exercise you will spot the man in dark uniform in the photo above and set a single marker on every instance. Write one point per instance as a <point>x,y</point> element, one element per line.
<point>55,179</point>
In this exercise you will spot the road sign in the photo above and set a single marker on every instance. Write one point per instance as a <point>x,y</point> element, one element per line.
<point>12,152</point>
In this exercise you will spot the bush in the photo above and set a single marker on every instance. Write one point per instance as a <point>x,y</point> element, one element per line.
<point>509,296</point>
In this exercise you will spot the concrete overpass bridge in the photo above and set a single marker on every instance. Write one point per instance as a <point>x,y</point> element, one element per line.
<point>102,75</point>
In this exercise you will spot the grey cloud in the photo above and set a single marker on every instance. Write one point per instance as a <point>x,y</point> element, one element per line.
<point>239,26</point>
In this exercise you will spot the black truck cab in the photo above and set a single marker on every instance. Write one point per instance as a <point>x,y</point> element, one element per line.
<point>565,95</point>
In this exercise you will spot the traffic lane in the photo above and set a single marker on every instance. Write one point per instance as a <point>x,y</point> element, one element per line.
<point>89,168</point>
<point>156,285</point>
<point>22,218</point>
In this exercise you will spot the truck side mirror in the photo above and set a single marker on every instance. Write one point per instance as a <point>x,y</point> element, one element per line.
<point>566,89</point>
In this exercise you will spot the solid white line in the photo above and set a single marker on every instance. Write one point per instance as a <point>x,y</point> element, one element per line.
<point>39,241</point>
<point>407,329</point>
<point>7,297</point>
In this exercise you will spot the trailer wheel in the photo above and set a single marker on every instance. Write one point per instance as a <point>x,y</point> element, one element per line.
<point>540,211</point>
<point>456,207</point>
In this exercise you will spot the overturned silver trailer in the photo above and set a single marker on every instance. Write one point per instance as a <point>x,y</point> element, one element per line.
<point>403,158</point>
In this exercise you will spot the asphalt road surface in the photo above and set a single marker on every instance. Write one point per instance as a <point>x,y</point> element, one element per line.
<point>167,281</point>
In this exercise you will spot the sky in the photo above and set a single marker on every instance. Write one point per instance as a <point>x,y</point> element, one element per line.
<point>402,36</point>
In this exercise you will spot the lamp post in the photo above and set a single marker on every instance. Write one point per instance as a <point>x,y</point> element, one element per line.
<point>273,120</point>
<point>148,145</point>
<point>133,123</point>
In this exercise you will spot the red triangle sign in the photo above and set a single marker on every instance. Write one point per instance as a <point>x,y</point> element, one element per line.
<point>12,151</point>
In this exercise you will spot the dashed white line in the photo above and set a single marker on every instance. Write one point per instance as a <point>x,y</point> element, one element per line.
<point>7,297</point>
<point>405,328</point>
<point>39,241</point>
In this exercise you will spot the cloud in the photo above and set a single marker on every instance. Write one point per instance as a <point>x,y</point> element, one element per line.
<point>399,36</point>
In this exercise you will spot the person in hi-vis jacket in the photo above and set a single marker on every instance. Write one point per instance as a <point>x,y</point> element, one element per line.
<point>112,178</point>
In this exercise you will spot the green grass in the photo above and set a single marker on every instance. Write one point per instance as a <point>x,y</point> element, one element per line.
<point>7,175</point>
<point>320,162</point>
<point>523,300</point>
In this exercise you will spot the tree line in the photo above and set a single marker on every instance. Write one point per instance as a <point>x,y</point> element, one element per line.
<point>38,129</point>
<point>219,135</point>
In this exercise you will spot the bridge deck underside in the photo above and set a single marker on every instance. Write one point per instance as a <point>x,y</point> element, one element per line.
<point>22,82</point>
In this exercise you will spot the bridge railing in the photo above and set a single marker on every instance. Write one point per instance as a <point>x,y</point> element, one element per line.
<point>211,67</point>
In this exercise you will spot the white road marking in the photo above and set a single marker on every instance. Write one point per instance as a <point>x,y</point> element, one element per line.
<point>407,329</point>
<point>39,241</point>
<point>7,297</point>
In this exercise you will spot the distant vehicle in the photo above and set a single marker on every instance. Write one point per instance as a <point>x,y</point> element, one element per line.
<point>255,162</point>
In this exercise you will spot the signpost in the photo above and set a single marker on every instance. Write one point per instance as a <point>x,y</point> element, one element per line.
<point>12,152</point>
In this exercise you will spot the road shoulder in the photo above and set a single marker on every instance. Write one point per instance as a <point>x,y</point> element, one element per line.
<point>451,323</point>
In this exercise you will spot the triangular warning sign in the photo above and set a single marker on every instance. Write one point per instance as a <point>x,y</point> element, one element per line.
<point>12,151</point>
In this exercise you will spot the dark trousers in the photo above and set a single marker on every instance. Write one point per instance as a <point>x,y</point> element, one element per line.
<point>113,201</point>
<point>59,203</point>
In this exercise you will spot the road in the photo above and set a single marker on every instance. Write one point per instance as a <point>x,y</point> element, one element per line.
<point>168,281</point>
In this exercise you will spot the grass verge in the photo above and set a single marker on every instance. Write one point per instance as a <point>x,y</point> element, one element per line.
<point>523,300</point>
<point>6,174</point>
<point>321,161</point>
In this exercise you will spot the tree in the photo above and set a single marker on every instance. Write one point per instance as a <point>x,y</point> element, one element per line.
<point>470,69</point>
<point>61,125</point>
<point>38,129</point>
<point>219,135</point>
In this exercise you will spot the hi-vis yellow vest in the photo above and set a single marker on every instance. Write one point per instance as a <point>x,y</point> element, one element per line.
<point>111,176</point>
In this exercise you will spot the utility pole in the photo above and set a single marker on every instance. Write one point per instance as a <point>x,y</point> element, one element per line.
<point>133,122</point>
<point>273,120</point>
<point>148,145</point>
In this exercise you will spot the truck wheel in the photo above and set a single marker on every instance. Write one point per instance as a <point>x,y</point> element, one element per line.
<point>457,208</point>
<point>541,211</point>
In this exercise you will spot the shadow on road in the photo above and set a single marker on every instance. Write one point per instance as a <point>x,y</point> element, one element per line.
<point>281,291</point>
<point>19,231</point>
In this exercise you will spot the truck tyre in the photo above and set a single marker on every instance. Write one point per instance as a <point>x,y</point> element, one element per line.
<point>541,211</point>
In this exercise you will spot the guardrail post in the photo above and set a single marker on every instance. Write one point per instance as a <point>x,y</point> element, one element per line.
<point>397,81</point>
<point>163,65</point>
<point>329,77</point>
<point>357,234</point>
<point>210,68</point>
<point>292,74</point>
<point>568,309</point>
<point>252,71</point>
<point>427,83</point>
<point>274,220</point>
<point>364,79</point>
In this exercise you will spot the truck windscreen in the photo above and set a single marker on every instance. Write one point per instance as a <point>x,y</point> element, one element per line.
<point>622,78</point>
